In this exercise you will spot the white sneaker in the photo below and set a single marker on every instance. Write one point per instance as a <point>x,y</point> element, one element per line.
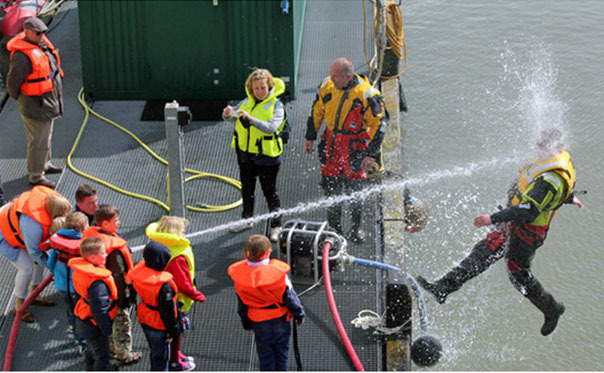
<point>241,227</point>
<point>274,234</point>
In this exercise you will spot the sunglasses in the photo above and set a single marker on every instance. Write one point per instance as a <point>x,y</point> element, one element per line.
<point>258,73</point>
<point>40,33</point>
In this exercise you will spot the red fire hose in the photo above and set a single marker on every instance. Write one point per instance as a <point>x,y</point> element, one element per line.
<point>12,340</point>
<point>334,310</point>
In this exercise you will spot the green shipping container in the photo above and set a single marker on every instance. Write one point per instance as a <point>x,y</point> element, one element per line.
<point>195,49</point>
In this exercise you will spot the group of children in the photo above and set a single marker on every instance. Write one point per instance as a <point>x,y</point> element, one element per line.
<point>98,281</point>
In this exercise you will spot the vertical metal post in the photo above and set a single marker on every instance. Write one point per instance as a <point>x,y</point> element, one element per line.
<point>398,312</point>
<point>397,347</point>
<point>175,160</point>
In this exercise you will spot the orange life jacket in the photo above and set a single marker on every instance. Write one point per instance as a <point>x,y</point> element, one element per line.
<point>40,80</point>
<point>147,283</point>
<point>68,248</point>
<point>261,288</point>
<point>31,203</point>
<point>111,243</point>
<point>84,274</point>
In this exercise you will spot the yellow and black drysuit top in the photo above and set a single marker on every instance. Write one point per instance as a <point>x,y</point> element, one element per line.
<point>356,122</point>
<point>541,188</point>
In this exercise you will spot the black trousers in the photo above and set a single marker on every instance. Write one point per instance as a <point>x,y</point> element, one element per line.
<point>518,255</point>
<point>340,186</point>
<point>248,173</point>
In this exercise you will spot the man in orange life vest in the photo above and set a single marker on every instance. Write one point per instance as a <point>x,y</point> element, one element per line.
<point>34,79</point>
<point>97,305</point>
<point>350,144</point>
<point>267,301</point>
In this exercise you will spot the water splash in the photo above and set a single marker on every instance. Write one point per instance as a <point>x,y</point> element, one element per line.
<point>536,81</point>
<point>430,177</point>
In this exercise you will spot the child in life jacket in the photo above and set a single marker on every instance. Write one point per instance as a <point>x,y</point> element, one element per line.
<point>170,231</point>
<point>267,301</point>
<point>96,306</point>
<point>157,310</point>
<point>65,245</point>
<point>119,262</point>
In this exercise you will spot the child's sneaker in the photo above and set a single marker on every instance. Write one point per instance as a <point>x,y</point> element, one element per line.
<point>184,358</point>
<point>181,366</point>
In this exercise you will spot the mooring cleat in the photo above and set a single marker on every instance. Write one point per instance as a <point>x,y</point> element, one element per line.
<point>433,288</point>
<point>551,322</point>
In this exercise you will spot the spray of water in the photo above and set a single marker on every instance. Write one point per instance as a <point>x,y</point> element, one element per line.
<point>363,194</point>
<point>524,101</point>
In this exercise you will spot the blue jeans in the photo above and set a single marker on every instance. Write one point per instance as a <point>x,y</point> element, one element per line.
<point>272,343</point>
<point>160,348</point>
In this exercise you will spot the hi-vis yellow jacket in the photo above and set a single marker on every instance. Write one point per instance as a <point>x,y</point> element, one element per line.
<point>559,172</point>
<point>251,139</point>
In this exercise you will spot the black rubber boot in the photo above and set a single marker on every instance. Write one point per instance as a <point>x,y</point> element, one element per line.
<point>551,319</point>
<point>435,288</point>
<point>546,303</point>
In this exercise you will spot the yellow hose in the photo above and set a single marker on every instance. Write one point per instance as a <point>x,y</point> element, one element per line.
<point>196,174</point>
<point>394,33</point>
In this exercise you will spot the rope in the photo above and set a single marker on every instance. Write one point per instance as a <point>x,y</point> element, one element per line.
<point>368,318</point>
<point>196,174</point>
<point>394,33</point>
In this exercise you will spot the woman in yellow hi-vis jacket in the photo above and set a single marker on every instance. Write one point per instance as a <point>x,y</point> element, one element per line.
<point>259,121</point>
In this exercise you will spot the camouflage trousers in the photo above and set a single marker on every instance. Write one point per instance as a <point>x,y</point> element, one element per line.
<point>121,336</point>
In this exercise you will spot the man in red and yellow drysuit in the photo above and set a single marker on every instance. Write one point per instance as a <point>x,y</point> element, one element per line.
<point>541,188</point>
<point>350,144</point>
<point>34,79</point>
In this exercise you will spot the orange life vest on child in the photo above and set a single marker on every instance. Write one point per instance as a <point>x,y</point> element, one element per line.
<point>111,243</point>
<point>84,274</point>
<point>40,80</point>
<point>261,288</point>
<point>31,203</point>
<point>68,248</point>
<point>147,283</point>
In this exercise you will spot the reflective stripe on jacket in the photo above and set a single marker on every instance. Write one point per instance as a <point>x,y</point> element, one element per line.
<point>147,283</point>
<point>111,243</point>
<point>261,288</point>
<point>84,274</point>
<point>178,246</point>
<point>251,139</point>
<point>40,80</point>
<point>31,203</point>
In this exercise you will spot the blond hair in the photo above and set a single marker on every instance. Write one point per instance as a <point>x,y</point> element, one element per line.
<point>260,74</point>
<point>91,246</point>
<point>57,223</point>
<point>172,224</point>
<point>255,247</point>
<point>77,221</point>
<point>57,205</point>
